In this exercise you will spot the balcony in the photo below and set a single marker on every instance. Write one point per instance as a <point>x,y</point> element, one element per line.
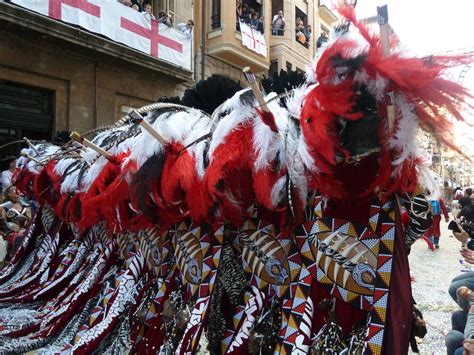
<point>43,23</point>
<point>224,40</point>
<point>326,15</point>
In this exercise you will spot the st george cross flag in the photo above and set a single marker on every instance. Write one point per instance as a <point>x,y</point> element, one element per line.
<point>253,39</point>
<point>121,24</point>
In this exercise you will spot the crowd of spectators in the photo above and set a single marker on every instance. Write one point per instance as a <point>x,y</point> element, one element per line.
<point>164,18</point>
<point>303,32</point>
<point>250,16</point>
<point>460,340</point>
<point>15,213</point>
<point>244,12</point>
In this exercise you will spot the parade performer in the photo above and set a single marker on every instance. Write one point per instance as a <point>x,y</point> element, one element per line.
<point>437,207</point>
<point>253,223</point>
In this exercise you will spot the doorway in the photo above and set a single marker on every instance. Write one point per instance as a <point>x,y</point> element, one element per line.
<point>25,111</point>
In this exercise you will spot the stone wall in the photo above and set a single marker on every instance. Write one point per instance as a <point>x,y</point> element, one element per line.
<point>90,88</point>
<point>216,66</point>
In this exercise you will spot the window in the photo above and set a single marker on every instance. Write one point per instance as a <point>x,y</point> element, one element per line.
<point>277,5</point>
<point>288,66</point>
<point>323,37</point>
<point>167,6</point>
<point>216,14</point>
<point>278,28</point>
<point>254,5</point>
<point>302,31</point>
<point>244,11</point>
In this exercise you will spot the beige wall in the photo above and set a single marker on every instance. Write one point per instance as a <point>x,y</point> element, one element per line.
<point>215,66</point>
<point>184,10</point>
<point>87,90</point>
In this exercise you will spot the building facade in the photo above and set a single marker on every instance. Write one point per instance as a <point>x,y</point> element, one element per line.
<point>55,76</point>
<point>218,41</point>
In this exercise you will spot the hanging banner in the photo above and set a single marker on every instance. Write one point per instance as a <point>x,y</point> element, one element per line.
<point>253,39</point>
<point>121,24</point>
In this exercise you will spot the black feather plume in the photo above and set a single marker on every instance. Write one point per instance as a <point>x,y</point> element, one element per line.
<point>210,93</point>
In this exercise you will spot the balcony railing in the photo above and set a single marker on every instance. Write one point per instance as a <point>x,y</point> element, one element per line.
<point>278,31</point>
<point>121,24</point>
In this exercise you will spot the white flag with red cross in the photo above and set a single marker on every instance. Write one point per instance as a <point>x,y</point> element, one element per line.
<point>121,24</point>
<point>253,39</point>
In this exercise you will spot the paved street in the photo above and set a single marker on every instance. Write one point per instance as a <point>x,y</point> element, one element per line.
<point>433,272</point>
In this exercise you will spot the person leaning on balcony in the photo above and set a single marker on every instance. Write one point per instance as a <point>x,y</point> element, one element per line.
<point>140,4</point>
<point>261,24</point>
<point>307,34</point>
<point>322,39</point>
<point>164,19</point>
<point>254,20</point>
<point>186,28</point>
<point>148,11</point>
<point>245,14</point>
<point>300,30</point>
<point>278,24</point>
<point>238,8</point>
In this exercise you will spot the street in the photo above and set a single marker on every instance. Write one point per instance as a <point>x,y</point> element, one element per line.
<point>433,272</point>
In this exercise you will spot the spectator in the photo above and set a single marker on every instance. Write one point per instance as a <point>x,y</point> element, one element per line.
<point>322,39</point>
<point>261,25</point>
<point>127,3</point>
<point>300,30</point>
<point>466,200</point>
<point>186,28</point>
<point>14,218</point>
<point>254,20</point>
<point>164,19</point>
<point>460,339</point>
<point>135,7</point>
<point>6,177</point>
<point>466,214</point>
<point>458,194</point>
<point>308,33</point>
<point>148,10</point>
<point>459,290</point>
<point>297,23</point>
<point>245,14</point>
<point>238,8</point>
<point>18,211</point>
<point>455,206</point>
<point>140,4</point>
<point>278,24</point>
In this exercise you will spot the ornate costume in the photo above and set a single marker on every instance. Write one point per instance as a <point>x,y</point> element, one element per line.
<point>241,231</point>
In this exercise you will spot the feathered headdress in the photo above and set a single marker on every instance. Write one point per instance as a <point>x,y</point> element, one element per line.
<point>347,110</point>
